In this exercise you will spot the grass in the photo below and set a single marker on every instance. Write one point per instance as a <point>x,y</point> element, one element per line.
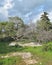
<point>12,61</point>
<point>5,48</point>
<point>43,58</point>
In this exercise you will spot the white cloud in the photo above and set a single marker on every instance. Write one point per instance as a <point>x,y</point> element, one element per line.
<point>50,16</point>
<point>28,14</point>
<point>26,9</point>
<point>37,17</point>
<point>39,13</point>
<point>7,5</point>
<point>4,12</point>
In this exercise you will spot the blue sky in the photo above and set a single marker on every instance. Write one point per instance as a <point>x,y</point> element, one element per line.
<point>28,10</point>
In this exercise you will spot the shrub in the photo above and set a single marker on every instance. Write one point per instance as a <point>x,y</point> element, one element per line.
<point>47,47</point>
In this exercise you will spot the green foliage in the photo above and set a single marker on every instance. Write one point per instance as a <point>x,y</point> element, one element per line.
<point>47,46</point>
<point>18,21</point>
<point>44,29</point>
<point>11,61</point>
<point>9,28</point>
<point>44,57</point>
<point>12,28</point>
<point>44,22</point>
<point>5,48</point>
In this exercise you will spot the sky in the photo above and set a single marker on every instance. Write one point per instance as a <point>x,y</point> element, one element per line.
<point>28,10</point>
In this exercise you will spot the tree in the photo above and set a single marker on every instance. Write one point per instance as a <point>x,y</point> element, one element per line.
<point>44,36</point>
<point>19,26</point>
<point>44,29</point>
<point>9,28</point>
<point>14,28</point>
<point>44,22</point>
<point>17,21</point>
<point>2,29</point>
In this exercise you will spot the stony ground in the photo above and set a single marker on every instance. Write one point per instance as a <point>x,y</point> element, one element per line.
<point>32,44</point>
<point>26,56</point>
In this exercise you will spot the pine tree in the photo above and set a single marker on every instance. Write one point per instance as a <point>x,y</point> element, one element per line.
<point>44,22</point>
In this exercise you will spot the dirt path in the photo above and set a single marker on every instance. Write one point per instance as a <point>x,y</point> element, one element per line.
<point>22,54</point>
<point>26,56</point>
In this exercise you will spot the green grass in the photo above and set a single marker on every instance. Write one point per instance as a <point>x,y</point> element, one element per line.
<point>45,57</point>
<point>12,61</point>
<point>5,48</point>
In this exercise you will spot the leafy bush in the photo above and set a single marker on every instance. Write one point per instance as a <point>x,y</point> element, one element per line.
<point>47,47</point>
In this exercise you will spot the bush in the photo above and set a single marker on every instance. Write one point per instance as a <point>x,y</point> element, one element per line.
<point>47,47</point>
